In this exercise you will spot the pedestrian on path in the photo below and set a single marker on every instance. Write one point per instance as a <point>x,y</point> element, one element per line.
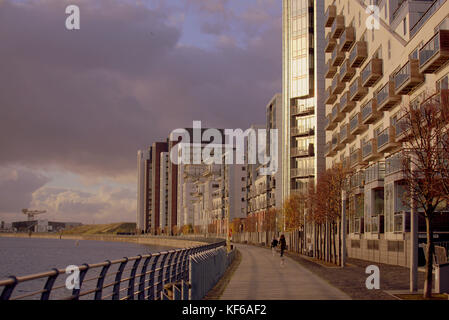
<point>283,245</point>
<point>274,244</point>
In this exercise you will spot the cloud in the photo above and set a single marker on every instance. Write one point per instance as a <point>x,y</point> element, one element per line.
<point>87,100</point>
<point>108,204</point>
<point>16,187</point>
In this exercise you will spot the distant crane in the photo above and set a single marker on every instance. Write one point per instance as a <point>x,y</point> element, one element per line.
<point>32,213</point>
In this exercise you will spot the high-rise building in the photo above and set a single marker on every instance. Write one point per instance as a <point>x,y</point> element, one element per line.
<point>302,93</point>
<point>382,55</point>
<point>143,169</point>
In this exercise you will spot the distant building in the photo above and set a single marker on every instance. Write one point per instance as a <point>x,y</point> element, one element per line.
<point>42,226</point>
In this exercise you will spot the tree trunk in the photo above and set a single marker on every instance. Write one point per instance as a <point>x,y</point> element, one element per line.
<point>339,241</point>
<point>334,243</point>
<point>429,259</point>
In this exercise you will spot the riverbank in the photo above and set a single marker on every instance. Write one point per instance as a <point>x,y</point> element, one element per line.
<point>145,240</point>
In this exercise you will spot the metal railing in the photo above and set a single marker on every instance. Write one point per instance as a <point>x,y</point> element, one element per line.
<point>134,278</point>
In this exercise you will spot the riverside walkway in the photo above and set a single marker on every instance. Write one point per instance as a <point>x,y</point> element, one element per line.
<point>260,276</point>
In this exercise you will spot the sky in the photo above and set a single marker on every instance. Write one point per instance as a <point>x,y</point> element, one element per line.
<point>76,105</point>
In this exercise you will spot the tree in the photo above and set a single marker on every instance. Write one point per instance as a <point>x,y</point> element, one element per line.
<point>293,210</point>
<point>269,221</point>
<point>424,164</point>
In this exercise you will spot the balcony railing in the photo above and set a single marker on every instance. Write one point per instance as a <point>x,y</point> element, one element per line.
<point>377,224</point>
<point>394,164</point>
<point>386,97</point>
<point>356,124</point>
<point>347,39</point>
<point>435,53</point>
<point>330,97</point>
<point>337,57</point>
<point>386,140</point>
<point>356,91</point>
<point>372,72</point>
<point>330,125</point>
<point>346,104</point>
<point>299,152</point>
<point>330,42</point>
<point>375,172</point>
<point>346,72</point>
<point>401,222</point>
<point>302,131</point>
<point>402,129</point>
<point>357,180</point>
<point>369,112</point>
<point>369,150</point>
<point>429,12</point>
<point>356,157</point>
<point>337,86</point>
<point>336,145</point>
<point>302,110</point>
<point>338,26</point>
<point>331,70</point>
<point>408,77</point>
<point>345,134</point>
<point>302,172</point>
<point>329,15</point>
<point>337,115</point>
<point>358,54</point>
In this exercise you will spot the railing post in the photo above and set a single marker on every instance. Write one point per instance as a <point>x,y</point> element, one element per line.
<point>7,291</point>
<point>132,277</point>
<point>169,265</point>
<point>99,289</point>
<point>142,278</point>
<point>185,266</point>
<point>118,277</point>
<point>161,274</point>
<point>152,277</point>
<point>76,291</point>
<point>175,265</point>
<point>179,269</point>
<point>49,285</point>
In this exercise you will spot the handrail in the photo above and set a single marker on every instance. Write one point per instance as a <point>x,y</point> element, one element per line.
<point>163,267</point>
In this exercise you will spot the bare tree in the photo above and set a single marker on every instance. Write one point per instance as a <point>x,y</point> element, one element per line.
<point>424,161</point>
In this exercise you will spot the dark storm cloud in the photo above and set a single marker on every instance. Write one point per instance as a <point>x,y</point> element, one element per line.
<point>87,100</point>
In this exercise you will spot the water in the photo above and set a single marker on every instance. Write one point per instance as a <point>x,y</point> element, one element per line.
<point>23,256</point>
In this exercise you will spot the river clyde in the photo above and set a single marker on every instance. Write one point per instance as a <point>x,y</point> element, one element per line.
<point>23,256</point>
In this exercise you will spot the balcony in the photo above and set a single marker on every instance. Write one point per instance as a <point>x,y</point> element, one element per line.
<point>330,97</point>
<point>357,180</point>
<point>331,70</point>
<point>356,91</point>
<point>358,54</point>
<point>345,134</point>
<point>337,86</point>
<point>394,164</point>
<point>330,125</point>
<point>337,57</point>
<point>386,140</point>
<point>356,124</point>
<point>347,39</point>
<point>328,152</point>
<point>336,145</point>
<point>386,97</point>
<point>302,131</point>
<point>408,77</point>
<point>302,110</point>
<point>435,53</point>
<point>338,26</point>
<point>302,172</point>
<point>370,113</point>
<point>375,172</point>
<point>377,224</point>
<point>329,15</point>
<point>369,150</point>
<point>402,130</point>
<point>346,72</point>
<point>346,104</point>
<point>298,152</point>
<point>330,43</point>
<point>337,115</point>
<point>401,222</point>
<point>356,158</point>
<point>372,72</point>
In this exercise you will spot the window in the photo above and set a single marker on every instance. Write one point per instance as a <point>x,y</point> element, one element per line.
<point>404,24</point>
<point>389,49</point>
<point>443,83</point>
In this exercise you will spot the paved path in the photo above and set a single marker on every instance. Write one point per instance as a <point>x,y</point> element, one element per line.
<point>260,276</point>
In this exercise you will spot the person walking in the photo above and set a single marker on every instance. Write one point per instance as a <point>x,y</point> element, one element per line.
<point>283,245</point>
<point>274,244</point>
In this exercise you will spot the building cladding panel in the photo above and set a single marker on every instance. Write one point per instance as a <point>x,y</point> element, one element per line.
<point>158,148</point>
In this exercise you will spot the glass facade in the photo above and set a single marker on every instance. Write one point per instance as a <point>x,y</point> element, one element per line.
<point>299,89</point>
